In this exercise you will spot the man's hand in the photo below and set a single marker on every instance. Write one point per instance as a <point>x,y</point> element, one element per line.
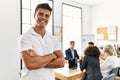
<point>81,57</point>
<point>58,62</point>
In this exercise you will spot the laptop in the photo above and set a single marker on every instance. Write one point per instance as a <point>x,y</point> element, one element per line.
<point>72,63</point>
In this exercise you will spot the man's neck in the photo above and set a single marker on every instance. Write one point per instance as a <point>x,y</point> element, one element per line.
<point>40,30</point>
<point>72,48</point>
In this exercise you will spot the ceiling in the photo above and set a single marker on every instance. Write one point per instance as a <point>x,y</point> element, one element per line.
<point>89,2</point>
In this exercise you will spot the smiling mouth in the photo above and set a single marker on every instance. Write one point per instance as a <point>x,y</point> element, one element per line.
<point>42,21</point>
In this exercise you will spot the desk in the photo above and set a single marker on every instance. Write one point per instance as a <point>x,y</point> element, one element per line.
<point>68,74</point>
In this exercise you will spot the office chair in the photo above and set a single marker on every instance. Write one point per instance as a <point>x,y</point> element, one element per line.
<point>109,77</point>
<point>114,70</point>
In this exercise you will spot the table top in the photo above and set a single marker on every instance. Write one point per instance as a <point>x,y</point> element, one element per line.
<point>68,72</point>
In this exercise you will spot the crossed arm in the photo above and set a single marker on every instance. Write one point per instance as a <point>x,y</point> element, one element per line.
<point>34,61</point>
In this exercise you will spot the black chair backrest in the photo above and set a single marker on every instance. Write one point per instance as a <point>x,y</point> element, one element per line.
<point>114,70</point>
<point>110,77</point>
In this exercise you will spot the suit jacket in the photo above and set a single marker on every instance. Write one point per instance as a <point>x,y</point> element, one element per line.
<point>92,67</point>
<point>69,56</point>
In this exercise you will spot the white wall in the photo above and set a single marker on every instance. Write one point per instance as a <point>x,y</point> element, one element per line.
<point>85,16</point>
<point>9,33</point>
<point>106,14</point>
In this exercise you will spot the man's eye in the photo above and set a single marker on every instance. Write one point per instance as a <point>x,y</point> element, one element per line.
<point>47,16</point>
<point>40,14</point>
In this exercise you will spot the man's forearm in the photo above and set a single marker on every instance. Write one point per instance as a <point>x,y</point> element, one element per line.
<point>57,63</point>
<point>37,62</point>
<point>46,59</point>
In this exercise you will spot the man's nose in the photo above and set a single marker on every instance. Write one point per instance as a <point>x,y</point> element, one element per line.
<point>43,17</point>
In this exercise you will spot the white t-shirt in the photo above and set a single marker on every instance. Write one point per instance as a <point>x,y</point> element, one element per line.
<point>109,63</point>
<point>42,46</point>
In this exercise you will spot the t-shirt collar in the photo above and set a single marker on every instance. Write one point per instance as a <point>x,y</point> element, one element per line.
<point>31,30</point>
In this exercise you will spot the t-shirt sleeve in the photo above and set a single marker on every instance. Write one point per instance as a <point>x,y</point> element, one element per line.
<point>24,43</point>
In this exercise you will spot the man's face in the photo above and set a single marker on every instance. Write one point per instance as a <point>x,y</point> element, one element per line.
<point>42,17</point>
<point>72,45</point>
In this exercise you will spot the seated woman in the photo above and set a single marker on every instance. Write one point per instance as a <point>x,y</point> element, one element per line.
<point>91,63</point>
<point>110,61</point>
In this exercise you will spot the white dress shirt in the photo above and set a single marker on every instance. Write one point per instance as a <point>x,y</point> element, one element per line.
<point>72,51</point>
<point>109,63</point>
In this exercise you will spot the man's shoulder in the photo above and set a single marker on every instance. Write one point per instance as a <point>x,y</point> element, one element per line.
<point>26,36</point>
<point>67,49</point>
<point>26,33</point>
<point>75,50</point>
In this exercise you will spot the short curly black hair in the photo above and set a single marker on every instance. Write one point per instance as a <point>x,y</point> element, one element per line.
<point>44,6</point>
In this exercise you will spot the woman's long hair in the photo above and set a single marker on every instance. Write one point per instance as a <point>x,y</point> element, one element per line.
<point>92,51</point>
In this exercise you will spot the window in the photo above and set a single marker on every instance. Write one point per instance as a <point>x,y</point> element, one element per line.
<point>72,18</point>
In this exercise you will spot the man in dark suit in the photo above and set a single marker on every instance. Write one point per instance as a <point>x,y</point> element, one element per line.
<point>71,53</point>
